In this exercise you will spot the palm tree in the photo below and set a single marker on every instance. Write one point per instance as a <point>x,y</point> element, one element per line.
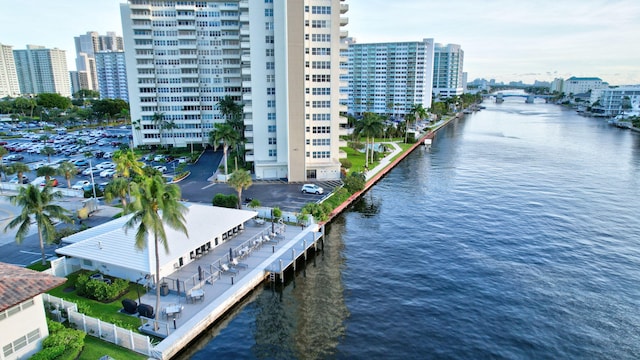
<point>117,188</point>
<point>48,150</point>
<point>370,126</point>
<point>3,152</point>
<point>156,204</point>
<point>239,180</point>
<point>232,112</point>
<point>68,170</point>
<point>158,121</point>
<point>170,125</point>
<point>38,203</point>
<point>19,169</point>
<point>225,134</point>
<point>419,111</point>
<point>47,172</point>
<point>126,163</point>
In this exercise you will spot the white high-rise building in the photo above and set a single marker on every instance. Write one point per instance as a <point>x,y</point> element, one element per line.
<point>389,78</point>
<point>580,85</point>
<point>112,75</point>
<point>42,70</point>
<point>279,59</point>
<point>87,46</point>
<point>448,64</point>
<point>9,85</point>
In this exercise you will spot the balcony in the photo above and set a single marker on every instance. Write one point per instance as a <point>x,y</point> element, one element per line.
<point>245,45</point>
<point>248,146</point>
<point>246,71</point>
<point>249,157</point>
<point>343,132</point>
<point>344,8</point>
<point>246,96</point>
<point>344,34</point>
<point>344,21</point>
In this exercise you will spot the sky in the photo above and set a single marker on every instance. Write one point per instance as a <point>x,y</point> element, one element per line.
<point>506,40</point>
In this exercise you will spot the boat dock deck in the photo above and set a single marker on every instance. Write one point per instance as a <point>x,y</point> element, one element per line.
<point>262,252</point>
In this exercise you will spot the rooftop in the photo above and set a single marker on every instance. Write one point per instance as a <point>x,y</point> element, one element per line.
<point>18,284</point>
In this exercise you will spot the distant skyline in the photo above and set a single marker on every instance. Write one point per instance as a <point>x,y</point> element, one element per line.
<point>502,39</point>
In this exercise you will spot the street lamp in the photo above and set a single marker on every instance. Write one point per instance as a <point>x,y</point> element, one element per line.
<point>93,184</point>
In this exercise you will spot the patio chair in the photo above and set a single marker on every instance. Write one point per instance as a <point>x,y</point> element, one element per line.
<point>227,270</point>
<point>237,264</point>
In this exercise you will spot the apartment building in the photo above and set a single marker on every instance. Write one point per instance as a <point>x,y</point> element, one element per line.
<point>9,85</point>
<point>389,78</point>
<point>448,61</point>
<point>279,59</point>
<point>111,72</point>
<point>580,85</point>
<point>87,46</point>
<point>42,70</point>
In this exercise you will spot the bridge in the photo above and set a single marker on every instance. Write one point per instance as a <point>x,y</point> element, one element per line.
<point>529,97</point>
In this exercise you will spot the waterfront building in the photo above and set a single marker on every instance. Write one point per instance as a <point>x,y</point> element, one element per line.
<point>556,85</point>
<point>622,100</point>
<point>42,70</point>
<point>9,85</point>
<point>23,323</point>
<point>280,60</point>
<point>112,75</point>
<point>87,46</point>
<point>578,85</point>
<point>389,78</point>
<point>448,61</point>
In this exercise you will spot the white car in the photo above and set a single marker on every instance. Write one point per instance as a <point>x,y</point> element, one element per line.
<point>160,168</point>
<point>158,158</point>
<point>312,189</point>
<point>81,184</point>
<point>182,160</point>
<point>88,171</point>
<point>107,155</point>
<point>106,165</point>
<point>107,173</point>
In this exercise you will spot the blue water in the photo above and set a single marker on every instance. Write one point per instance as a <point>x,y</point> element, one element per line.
<point>516,237</point>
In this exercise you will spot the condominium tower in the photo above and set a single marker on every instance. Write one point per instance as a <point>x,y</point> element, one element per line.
<point>279,59</point>
<point>87,46</point>
<point>389,78</point>
<point>42,70</point>
<point>448,64</point>
<point>111,71</point>
<point>9,85</point>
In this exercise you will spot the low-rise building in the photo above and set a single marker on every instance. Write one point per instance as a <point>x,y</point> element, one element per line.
<point>23,323</point>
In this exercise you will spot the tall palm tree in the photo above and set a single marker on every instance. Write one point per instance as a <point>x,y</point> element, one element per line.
<point>39,204</point>
<point>239,180</point>
<point>19,169</point>
<point>47,172</point>
<point>126,163</point>
<point>232,112</point>
<point>48,151</point>
<point>369,126</point>
<point>68,170</point>
<point>419,111</point>
<point>156,204</point>
<point>117,188</point>
<point>158,119</point>
<point>3,152</point>
<point>225,134</point>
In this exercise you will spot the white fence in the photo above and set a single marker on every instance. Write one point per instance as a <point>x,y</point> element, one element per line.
<point>63,309</point>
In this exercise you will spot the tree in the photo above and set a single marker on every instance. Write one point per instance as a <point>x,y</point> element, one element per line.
<point>38,203</point>
<point>225,134</point>
<point>19,169</point>
<point>86,93</point>
<point>126,163</point>
<point>48,151</point>
<point>3,152</point>
<point>156,204</point>
<point>369,126</point>
<point>232,112</point>
<point>117,188</point>
<point>47,172</point>
<point>158,121</point>
<point>239,180</point>
<point>68,170</point>
<point>51,101</point>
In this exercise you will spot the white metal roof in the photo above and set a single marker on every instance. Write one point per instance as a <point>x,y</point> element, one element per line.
<point>109,243</point>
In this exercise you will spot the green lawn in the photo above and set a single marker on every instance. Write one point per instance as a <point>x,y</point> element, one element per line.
<point>104,311</point>
<point>95,348</point>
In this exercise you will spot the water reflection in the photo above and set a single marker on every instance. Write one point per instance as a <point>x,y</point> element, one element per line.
<point>304,318</point>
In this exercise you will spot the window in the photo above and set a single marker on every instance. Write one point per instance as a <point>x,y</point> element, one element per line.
<point>322,129</point>
<point>318,24</point>
<point>269,39</point>
<point>321,154</point>
<point>271,128</point>
<point>320,10</point>
<point>272,141</point>
<point>271,103</point>
<point>270,52</point>
<point>321,142</point>
<point>271,116</point>
<point>271,78</point>
<point>271,91</point>
<point>321,104</point>
<point>273,152</point>
<point>270,65</point>
<point>268,25</point>
<point>321,64</point>
<point>321,78</point>
<point>268,12</point>
<point>320,51</point>
<point>321,37</point>
<point>321,91</point>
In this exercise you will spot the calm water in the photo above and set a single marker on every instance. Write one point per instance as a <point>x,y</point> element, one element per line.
<point>517,236</point>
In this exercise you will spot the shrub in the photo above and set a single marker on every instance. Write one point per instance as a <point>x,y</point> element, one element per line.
<point>227,201</point>
<point>61,344</point>
<point>318,211</point>
<point>346,163</point>
<point>354,182</point>
<point>100,290</point>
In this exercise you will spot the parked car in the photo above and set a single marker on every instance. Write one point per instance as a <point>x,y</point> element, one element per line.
<point>312,189</point>
<point>99,154</point>
<point>158,158</point>
<point>41,181</point>
<point>25,180</point>
<point>107,155</point>
<point>89,171</point>
<point>14,157</point>
<point>80,185</point>
<point>80,162</point>
<point>160,168</point>
<point>106,165</point>
<point>107,173</point>
<point>182,160</point>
